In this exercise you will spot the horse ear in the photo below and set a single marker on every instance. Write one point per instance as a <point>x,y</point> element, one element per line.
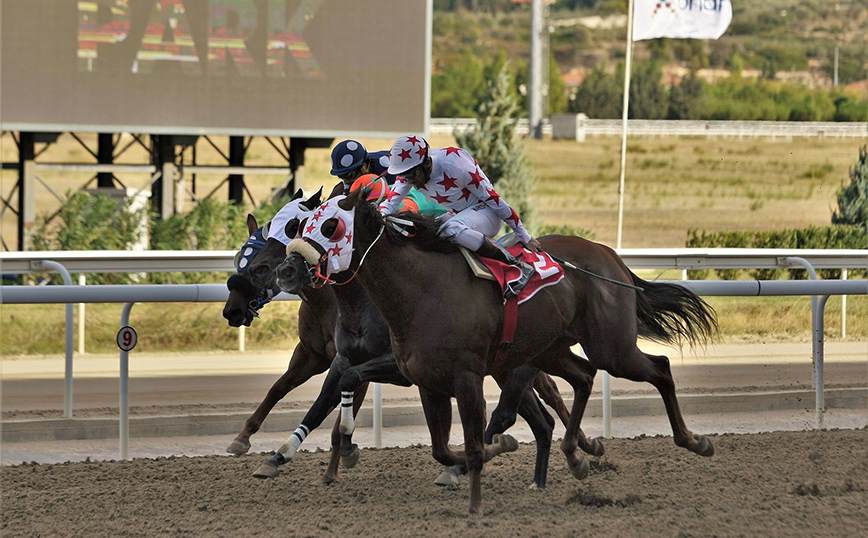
<point>314,201</point>
<point>351,200</point>
<point>251,223</point>
<point>317,198</point>
<point>298,194</point>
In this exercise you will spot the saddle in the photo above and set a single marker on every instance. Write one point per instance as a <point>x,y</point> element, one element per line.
<point>547,271</point>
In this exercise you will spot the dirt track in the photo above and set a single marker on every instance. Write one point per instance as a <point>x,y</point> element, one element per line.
<point>812,483</point>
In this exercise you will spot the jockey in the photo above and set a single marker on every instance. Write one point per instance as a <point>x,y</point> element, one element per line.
<point>350,160</point>
<point>451,177</point>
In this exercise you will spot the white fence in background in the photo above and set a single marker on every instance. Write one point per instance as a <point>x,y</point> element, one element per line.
<point>738,129</point>
<point>159,261</point>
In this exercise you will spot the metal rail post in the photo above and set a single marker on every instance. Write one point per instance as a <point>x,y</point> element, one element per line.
<point>124,418</point>
<point>818,306</point>
<point>67,377</point>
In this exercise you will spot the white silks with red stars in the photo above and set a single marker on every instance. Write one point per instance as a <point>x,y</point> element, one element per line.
<point>339,245</point>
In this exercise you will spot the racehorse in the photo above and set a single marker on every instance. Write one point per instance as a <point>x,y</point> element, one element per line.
<point>316,325</point>
<point>364,354</point>
<point>446,324</point>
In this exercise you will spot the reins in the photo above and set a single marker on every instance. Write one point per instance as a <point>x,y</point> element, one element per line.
<point>324,279</point>
<point>569,265</point>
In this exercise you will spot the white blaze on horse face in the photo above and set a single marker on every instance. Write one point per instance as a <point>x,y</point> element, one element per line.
<point>339,249</point>
<point>292,210</point>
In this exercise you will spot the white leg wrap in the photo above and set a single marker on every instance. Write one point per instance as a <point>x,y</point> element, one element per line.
<point>290,447</point>
<point>348,425</point>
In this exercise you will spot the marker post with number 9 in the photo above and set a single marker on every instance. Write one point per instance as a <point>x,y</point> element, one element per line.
<point>127,338</point>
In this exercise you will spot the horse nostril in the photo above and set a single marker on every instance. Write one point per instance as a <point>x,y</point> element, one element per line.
<point>259,271</point>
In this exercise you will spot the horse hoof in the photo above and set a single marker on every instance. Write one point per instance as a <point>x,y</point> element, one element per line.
<point>597,449</point>
<point>580,469</point>
<point>238,448</point>
<point>446,478</point>
<point>535,487</point>
<point>704,447</point>
<point>506,442</point>
<point>267,470</point>
<point>350,460</point>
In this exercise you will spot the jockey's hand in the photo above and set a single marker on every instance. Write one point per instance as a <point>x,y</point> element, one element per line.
<point>533,245</point>
<point>440,219</point>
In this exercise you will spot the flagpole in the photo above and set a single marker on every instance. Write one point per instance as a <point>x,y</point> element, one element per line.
<point>607,392</point>
<point>628,68</point>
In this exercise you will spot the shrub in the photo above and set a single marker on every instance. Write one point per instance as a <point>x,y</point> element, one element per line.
<point>853,198</point>
<point>814,237</point>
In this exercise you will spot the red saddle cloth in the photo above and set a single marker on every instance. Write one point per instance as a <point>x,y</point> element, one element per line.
<point>546,271</point>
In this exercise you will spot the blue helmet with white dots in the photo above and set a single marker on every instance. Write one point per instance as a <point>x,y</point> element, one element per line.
<point>346,156</point>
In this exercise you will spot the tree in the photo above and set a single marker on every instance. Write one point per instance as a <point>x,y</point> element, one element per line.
<point>599,96</point>
<point>648,99</point>
<point>684,99</point>
<point>497,149</point>
<point>457,89</point>
<point>853,198</point>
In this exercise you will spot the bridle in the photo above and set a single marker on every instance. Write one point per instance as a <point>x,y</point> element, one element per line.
<point>261,296</point>
<point>318,279</point>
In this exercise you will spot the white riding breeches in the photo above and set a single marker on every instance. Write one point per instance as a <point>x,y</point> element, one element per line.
<point>470,226</point>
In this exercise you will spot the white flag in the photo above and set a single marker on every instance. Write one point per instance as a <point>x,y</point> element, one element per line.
<point>697,19</point>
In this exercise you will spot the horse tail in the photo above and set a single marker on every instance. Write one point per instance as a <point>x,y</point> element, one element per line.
<point>670,314</point>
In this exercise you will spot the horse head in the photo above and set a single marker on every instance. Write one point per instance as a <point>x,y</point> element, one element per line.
<point>284,227</point>
<point>325,246</point>
<point>242,293</point>
<point>252,286</point>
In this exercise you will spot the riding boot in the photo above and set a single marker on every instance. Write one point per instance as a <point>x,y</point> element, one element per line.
<point>490,249</point>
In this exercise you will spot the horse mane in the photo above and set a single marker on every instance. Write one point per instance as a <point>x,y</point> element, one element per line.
<point>424,228</point>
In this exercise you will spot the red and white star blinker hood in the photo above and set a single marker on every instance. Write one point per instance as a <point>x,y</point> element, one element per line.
<point>338,246</point>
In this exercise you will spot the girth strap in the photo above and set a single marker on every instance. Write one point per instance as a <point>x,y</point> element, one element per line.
<point>510,322</point>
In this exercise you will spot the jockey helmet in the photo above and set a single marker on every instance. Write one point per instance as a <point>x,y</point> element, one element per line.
<point>378,187</point>
<point>346,156</point>
<point>408,152</point>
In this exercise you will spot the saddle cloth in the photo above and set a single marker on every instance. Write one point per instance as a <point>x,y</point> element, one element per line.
<point>546,271</point>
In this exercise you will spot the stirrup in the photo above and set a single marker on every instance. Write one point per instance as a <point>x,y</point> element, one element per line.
<point>514,287</point>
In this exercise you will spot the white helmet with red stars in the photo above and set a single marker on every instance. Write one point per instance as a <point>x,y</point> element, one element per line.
<point>407,152</point>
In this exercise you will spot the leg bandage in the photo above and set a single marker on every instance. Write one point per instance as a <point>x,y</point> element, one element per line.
<point>290,447</point>
<point>347,423</point>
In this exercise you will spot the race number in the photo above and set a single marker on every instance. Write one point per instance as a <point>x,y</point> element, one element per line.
<point>127,338</point>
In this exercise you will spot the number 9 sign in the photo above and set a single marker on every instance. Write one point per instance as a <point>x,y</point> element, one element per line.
<point>127,338</point>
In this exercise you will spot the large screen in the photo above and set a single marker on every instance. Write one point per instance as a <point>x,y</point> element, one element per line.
<point>307,68</point>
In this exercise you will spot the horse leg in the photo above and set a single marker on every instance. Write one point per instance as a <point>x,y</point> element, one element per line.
<point>659,374</point>
<point>303,365</point>
<point>331,473</point>
<point>548,390</point>
<point>328,399</point>
<point>580,374</point>
<point>516,388</point>
<point>383,369</point>
<point>471,407</point>
<point>622,358</point>
<point>515,398</point>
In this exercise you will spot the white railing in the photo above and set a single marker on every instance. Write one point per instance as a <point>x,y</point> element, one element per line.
<point>771,129</point>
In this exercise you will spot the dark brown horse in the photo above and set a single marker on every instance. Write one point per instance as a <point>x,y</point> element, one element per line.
<point>364,336</point>
<point>446,325</point>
